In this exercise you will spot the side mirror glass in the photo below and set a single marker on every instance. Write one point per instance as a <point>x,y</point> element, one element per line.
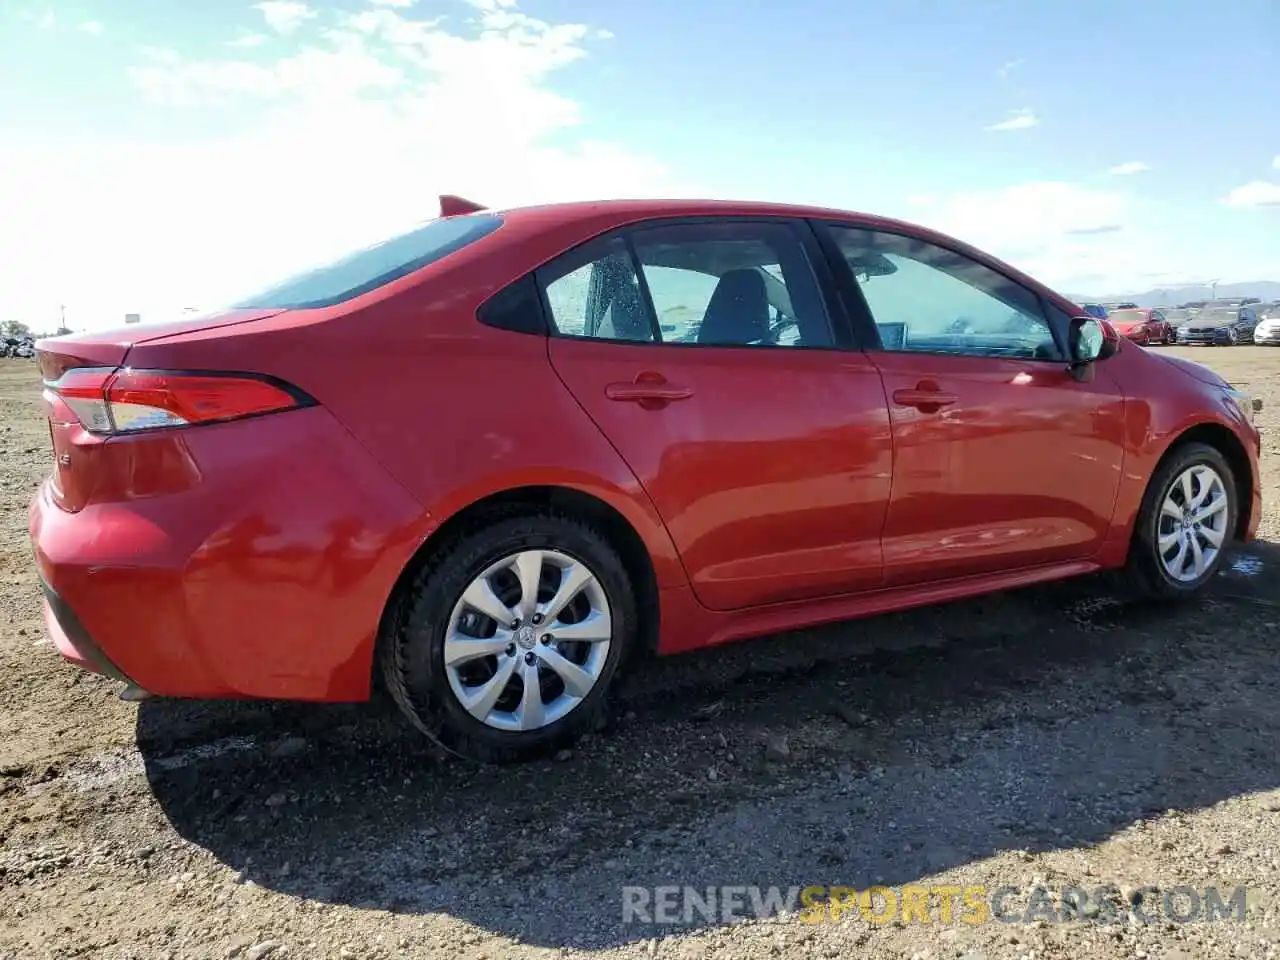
<point>1085,339</point>
<point>1089,340</point>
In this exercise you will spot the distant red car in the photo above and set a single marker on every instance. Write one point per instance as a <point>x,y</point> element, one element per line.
<point>492,457</point>
<point>1142,325</point>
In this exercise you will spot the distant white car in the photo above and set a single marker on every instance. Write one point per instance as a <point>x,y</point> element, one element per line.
<point>1268,330</point>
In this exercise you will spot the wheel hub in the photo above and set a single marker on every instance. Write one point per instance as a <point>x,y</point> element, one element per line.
<point>1195,511</point>
<point>527,640</point>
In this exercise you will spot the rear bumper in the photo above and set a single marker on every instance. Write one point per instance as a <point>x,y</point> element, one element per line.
<point>1272,337</point>
<point>72,640</point>
<point>266,578</point>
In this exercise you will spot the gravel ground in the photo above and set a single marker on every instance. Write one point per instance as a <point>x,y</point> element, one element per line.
<point>1051,737</point>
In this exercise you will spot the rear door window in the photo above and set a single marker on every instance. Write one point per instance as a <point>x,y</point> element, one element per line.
<point>727,284</point>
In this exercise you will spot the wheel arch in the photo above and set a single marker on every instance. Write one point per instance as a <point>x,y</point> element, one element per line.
<point>1224,440</point>
<point>620,531</point>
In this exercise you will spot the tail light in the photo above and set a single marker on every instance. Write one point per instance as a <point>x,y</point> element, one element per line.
<point>107,400</point>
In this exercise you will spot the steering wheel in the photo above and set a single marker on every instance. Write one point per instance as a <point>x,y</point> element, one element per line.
<point>783,323</point>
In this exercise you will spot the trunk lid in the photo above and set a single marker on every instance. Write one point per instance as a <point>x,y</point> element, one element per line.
<point>109,347</point>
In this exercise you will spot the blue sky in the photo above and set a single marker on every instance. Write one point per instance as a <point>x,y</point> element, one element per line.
<point>157,155</point>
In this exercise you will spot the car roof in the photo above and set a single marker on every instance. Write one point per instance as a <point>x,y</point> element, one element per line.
<point>644,209</point>
<point>603,215</point>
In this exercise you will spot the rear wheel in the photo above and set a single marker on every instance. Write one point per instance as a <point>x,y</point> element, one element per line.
<point>505,645</point>
<point>1185,524</point>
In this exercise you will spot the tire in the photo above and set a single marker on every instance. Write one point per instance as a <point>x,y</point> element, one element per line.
<point>412,652</point>
<point>1147,572</point>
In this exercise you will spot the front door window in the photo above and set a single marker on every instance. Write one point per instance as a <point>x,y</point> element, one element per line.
<point>925,298</point>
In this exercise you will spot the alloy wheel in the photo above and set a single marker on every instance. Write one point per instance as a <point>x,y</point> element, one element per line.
<point>528,640</point>
<point>1192,525</point>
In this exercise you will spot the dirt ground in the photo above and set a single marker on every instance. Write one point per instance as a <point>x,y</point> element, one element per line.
<point>1051,737</point>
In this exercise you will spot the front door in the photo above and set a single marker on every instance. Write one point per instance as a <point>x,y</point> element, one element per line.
<point>1002,459</point>
<point>704,351</point>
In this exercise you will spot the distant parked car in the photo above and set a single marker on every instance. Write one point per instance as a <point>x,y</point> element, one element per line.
<point>1095,310</point>
<point>1268,329</point>
<point>19,347</point>
<point>1219,326</point>
<point>1141,325</point>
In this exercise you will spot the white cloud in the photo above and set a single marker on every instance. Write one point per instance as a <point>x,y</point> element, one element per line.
<point>284,16</point>
<point>1017,120</point>
<point>1008,68</point>
<point>1059,232</point>
<point>353,131</point>
<point>249,40</point>
<point>392,3</point>
<point>1276,162</point>
<point>343,71</point>
<point>1128,169</point>
<point>47,21</point>
<point>92,27</point>
<point>1259,193</point>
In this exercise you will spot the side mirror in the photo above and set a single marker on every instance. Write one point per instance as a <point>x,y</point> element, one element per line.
<point>1088,341</point>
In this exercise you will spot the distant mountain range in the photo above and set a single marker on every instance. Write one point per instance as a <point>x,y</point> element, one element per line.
<point>1265,290</point>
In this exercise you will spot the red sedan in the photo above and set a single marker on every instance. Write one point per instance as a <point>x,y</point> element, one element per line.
<point>1142,325</point>
<point>494,456</point>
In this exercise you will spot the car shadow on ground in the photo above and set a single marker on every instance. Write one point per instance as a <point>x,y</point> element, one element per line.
<point>1039,719</point>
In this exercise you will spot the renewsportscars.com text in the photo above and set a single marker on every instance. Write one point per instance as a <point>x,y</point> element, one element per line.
<point>945,904</point>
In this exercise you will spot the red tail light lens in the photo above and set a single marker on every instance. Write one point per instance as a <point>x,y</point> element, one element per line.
<point>110,401</point>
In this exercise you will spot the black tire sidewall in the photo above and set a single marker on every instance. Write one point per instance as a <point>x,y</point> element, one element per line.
<point>1145,547</point>
<point>422,640</point>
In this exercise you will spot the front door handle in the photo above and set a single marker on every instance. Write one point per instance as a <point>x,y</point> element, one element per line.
<point>647,392</point>
<point>926,401</point>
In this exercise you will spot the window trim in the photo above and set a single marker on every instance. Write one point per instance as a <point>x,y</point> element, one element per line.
<point>861,317</point>
<point>838,325</point>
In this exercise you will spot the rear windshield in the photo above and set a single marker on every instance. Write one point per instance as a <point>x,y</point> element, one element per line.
<point>1128,316</point>
<point>374,266</point>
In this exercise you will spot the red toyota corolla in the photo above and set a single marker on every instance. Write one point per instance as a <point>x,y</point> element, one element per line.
<point>494,456</point>
<point>1143,325</point>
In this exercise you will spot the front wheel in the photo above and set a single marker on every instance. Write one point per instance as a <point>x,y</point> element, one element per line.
<point>1184,525</point>
<point>504,646</point>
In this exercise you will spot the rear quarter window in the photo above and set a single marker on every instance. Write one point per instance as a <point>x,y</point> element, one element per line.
<point>365,270</point>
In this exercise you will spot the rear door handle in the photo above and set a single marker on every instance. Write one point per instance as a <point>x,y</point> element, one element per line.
<point>647,392</point>
<point>925,400</point>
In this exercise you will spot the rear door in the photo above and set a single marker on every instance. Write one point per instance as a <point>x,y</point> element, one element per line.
<point>705,352</point>
<point>1002,459</point>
